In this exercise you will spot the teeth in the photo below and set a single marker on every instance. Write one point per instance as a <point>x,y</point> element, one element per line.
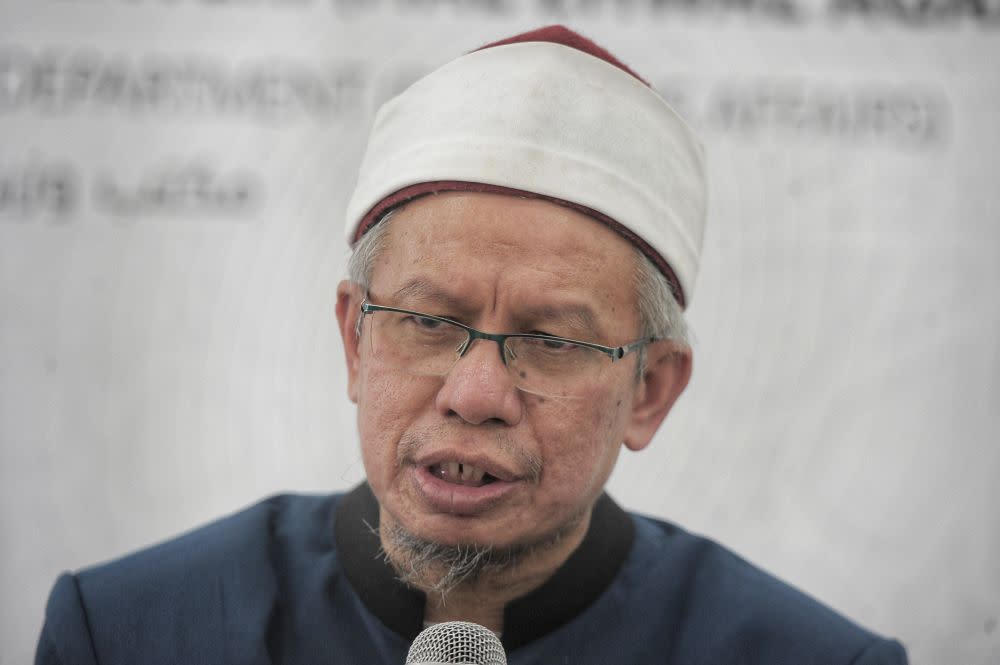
<point>461,474</point>
<point>471,474</point>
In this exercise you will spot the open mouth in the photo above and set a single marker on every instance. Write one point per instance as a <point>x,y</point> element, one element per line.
<point>461,474</point>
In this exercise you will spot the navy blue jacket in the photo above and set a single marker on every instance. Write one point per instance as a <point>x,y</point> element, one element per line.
<point>298,580</point>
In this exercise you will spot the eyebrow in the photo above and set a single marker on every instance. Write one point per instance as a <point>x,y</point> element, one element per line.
<point>577,316</point>
<point>423,291</point>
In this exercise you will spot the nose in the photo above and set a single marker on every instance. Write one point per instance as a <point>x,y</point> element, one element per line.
<point>479,389</point>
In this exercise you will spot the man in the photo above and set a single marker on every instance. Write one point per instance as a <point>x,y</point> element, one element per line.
<point>526,229</point>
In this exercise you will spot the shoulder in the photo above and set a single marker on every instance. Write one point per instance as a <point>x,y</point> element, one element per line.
<point>741,613</point>
<point>244,539</point>
<point>197,585</point>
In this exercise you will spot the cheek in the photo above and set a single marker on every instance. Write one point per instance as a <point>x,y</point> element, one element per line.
<point>580,444</point>
<point>386,407</point>
<point>599,421</point>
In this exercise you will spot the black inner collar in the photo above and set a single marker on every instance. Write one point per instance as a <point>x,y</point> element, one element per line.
<point>578,582</point>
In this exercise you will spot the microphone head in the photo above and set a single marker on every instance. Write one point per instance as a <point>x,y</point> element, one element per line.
<point>456,642</point>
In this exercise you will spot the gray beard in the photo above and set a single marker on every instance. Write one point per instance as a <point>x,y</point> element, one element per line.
<point>437,568</point>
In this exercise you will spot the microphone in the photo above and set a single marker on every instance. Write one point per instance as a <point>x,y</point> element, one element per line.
<point>456,643</point>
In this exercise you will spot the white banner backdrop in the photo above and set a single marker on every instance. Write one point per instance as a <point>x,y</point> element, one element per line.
<point>172,182</point>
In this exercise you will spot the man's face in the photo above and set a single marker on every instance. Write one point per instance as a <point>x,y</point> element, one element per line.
<point>500,264</point>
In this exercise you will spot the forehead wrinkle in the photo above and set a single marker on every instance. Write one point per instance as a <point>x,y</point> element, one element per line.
<point>476,262</point>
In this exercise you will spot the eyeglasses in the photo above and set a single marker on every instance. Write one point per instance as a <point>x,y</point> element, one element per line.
<point>428,345</point>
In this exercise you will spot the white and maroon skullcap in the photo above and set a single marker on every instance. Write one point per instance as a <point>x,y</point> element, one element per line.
<point>551,115</point>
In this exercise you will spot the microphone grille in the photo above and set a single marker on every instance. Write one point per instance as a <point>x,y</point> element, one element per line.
<point>457,642</point>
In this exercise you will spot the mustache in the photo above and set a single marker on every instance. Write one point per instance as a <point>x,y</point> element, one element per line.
<point>529,465</point>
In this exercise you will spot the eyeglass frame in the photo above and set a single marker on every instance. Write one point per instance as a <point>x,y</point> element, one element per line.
<point>614,352</point>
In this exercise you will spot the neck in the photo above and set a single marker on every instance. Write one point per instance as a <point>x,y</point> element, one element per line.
<point>482,590</point>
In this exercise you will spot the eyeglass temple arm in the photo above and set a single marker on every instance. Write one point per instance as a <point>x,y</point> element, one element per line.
<point>622,351</point>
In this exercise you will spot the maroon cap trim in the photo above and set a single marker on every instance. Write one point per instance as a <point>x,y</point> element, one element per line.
<point>560,34</point>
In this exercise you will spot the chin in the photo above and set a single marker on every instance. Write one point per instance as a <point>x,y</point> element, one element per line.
<point>456,530</point>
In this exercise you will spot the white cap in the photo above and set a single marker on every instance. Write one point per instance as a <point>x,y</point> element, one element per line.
<point>550,120</point>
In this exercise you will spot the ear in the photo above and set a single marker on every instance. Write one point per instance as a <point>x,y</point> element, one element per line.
<point>349,297</point>
<point>668,370</point>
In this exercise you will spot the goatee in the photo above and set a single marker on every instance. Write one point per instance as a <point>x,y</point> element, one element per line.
<point>438,568</point>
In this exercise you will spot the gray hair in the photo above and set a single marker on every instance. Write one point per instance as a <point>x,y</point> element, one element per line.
<point>660,316</point>
<point>361,265</point>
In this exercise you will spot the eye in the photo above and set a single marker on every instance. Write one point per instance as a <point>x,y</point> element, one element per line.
<point>550,344</point>
<point>425,323</point>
